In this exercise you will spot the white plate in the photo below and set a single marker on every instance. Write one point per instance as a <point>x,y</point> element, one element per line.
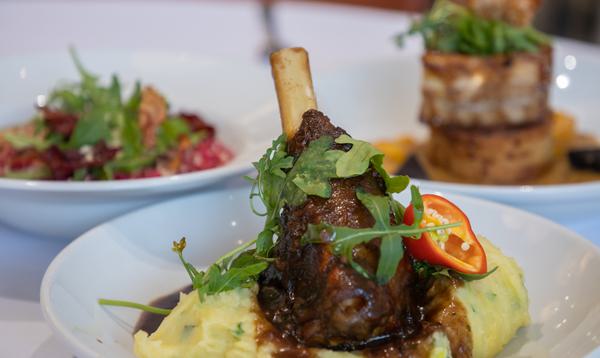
<point>381,99</point>
<point>130,258</point>
<point>237,98</point>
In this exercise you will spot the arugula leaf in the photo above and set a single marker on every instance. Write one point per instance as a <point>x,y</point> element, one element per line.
<point>417,206</point>
<point>268,186</point>
<point>355,161</point>
<point>392,251</point>
<point>449,27</point>
<point>395,184</point>
<point>392,248</point>
<point>131,138</point>
<point>67,100</point>
<point>133,104</point>
<point>311,173</point>
<point>234,277</point>
<point>344,239</point>
<point>169,133</point>
<point>224,274</point>
<point>90,129</point>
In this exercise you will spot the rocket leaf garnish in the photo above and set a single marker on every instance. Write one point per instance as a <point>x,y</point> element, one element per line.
<point>449,27</point>
<point>343,240</point>
<point>231,271</point>
<point>356,161</point>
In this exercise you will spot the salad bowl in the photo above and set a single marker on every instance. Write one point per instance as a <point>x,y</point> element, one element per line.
<point>234,97</point>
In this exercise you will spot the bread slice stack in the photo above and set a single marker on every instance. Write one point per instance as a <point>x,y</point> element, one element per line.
<point>485,91</point>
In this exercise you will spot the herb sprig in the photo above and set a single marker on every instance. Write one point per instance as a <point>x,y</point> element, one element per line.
<point>449,27</point>
<point>228,272</point>
<point>344,239</point>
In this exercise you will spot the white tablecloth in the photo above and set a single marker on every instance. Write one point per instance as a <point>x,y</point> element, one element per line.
<point>226,29</point>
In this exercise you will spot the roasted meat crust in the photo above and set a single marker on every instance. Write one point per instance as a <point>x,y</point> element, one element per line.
<point>509,155</point>
<point>476,91</point>
<point>515,12</point>
<point>316,297</point>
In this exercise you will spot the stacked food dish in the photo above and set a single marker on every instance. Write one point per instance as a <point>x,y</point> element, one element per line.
<point>485,88</point>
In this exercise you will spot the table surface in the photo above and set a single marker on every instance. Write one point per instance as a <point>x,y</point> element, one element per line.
<point>334,34</point>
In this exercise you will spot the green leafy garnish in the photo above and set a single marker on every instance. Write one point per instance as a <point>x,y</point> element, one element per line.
<point>90,129</point>
<point>280,181</point>
<point>139,306</point>
<point>449,27</point>
<point>170,131</point>
<point>268,185</point>
<point>356,161</point>
<point>312,171</point>
<point>227,273</point>
<point>344,239</point>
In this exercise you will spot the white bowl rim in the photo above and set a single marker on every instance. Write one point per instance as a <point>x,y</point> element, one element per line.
<point>557,190</point>
<point>70,339</point>
<point>64,186</point>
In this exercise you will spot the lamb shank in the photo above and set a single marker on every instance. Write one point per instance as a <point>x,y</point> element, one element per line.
<point>307,292</point>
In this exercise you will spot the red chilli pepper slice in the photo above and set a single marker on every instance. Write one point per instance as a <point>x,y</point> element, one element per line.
<point>456,248</point>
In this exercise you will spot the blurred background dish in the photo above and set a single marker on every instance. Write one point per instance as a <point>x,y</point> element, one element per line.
<point>231,93</point>
<point>563,305</point>
<point>385,89</point>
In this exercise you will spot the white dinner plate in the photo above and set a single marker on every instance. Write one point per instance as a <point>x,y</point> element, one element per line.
<point>235,97</point>
<point>130,258</point>
<point>380,99</point>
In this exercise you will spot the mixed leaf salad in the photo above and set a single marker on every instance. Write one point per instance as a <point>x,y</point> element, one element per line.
<point>89,131</point>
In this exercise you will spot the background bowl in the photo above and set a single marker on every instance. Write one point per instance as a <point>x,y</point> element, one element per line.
<point>385,97</point>
<point>235,97</point>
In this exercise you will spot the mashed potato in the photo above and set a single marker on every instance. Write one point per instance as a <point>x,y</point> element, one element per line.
<point>224,325</point>
<point>496,306</point>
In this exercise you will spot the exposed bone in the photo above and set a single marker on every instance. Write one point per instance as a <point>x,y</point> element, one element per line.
<point>293,84</point>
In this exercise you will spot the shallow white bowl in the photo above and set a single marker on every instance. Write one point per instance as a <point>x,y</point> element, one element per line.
<point>232,96</point>
<point>380,100</point>
<point>130,258</point>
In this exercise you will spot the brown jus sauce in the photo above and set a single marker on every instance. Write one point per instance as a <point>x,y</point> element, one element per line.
<point>443,313</point>
<point>149,322</point>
